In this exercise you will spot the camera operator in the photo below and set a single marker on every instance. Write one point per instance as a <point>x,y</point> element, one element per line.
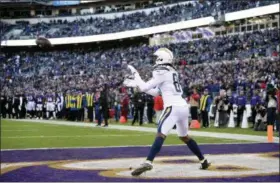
<point>222,103</point>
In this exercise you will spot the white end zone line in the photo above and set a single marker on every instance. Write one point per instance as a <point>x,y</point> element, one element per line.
<point>19,131</point>
<point>253,138</point>
<point>70,136</point>
<point>100,147</point>
<point>8,126</point>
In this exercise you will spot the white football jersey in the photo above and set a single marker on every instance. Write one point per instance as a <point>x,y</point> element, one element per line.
<point>165,80</point>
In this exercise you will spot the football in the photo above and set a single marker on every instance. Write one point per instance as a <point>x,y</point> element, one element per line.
<point>43,42</point>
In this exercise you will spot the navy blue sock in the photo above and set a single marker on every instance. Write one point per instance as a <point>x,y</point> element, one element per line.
<point>195,149</point>
<point>155,148</point>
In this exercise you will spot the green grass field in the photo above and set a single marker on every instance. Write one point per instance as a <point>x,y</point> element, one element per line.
<point>20,135</point>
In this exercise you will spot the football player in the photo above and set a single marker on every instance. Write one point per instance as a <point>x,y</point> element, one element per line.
<point>39,106</point>
<point>51,106</point>
<point>30,107</point>
<point>59,104</point>
<point>165,80</point>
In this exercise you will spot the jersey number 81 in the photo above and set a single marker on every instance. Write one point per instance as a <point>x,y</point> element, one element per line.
<point>176,83</point>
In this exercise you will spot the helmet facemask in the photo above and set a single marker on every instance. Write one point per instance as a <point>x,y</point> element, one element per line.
<point>156,60</point>
<point>163,56</point>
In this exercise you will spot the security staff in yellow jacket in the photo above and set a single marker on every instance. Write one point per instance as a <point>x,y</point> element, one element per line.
<point>73,107</point>
<point>204,106</point>
<point>67,103</point>
<point>80,109</point>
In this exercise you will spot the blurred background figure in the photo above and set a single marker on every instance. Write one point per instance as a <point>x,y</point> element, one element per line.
<point>271,101</point>
<point>4,106</point>
<point>104,105</point>
<point>222,103</point>
<point>150,108</point>
<point>204,107</point>
<point>194,102</point>
<point>98,107</point>
<point>124,105</point>
<point>260,123</point>
<point>158,107</point>
<point>117,105</point>
<point>90,105</point>
<point>241,102</point>
<point>255,100</point>
<point>139,104</point>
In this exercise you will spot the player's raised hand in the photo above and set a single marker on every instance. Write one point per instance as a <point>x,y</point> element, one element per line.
<point>134,73</point>
<point>130,83</point>
<point>132,70</point>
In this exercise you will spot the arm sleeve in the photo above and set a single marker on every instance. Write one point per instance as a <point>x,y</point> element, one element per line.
<point>154,92</point>
<point>152,83</point>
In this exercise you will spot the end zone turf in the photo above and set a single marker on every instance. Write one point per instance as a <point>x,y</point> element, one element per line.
<point>230,162</point>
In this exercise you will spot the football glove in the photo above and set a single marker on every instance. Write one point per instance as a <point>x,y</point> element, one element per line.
<point>134,73</point>
<point>130,83</point>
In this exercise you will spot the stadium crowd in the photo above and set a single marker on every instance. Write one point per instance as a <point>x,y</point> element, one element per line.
<point>245,64</point>
<point>139,19</point>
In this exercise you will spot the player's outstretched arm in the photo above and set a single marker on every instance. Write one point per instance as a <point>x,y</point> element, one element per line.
<point>150,85</point>
<point>154,92</point>
<point>147,87</point>
<point>132,83</point>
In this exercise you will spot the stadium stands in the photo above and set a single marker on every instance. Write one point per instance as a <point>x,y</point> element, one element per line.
<point>140,19</point>
<point>238,62</point>
<point>81,66</point>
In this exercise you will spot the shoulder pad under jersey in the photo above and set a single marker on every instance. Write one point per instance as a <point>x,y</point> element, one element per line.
<point>160,70</point>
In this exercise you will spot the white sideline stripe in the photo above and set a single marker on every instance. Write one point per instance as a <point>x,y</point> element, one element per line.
<point>2,126</point>
<point>19,130</point>
<point>100,147</point>
<point>69,136</point>
<point>253,138</point>
<point>47,125</point>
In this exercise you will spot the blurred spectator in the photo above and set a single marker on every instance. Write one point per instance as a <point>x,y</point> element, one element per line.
<point>139,104</point>
<point>204,107</point>
<point>125,106</point>
<point>222,104</point>
<point>255,100</point>
<point>150,106</point>
<point>241,107</point>
<point>261,121</point>
<point>158,107</point>
<point>104,105</point>
<point>117,105</point>
<point>271,101</point>
<point>278,107</point>
<point>90,104</point>
<point>194,99</point>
